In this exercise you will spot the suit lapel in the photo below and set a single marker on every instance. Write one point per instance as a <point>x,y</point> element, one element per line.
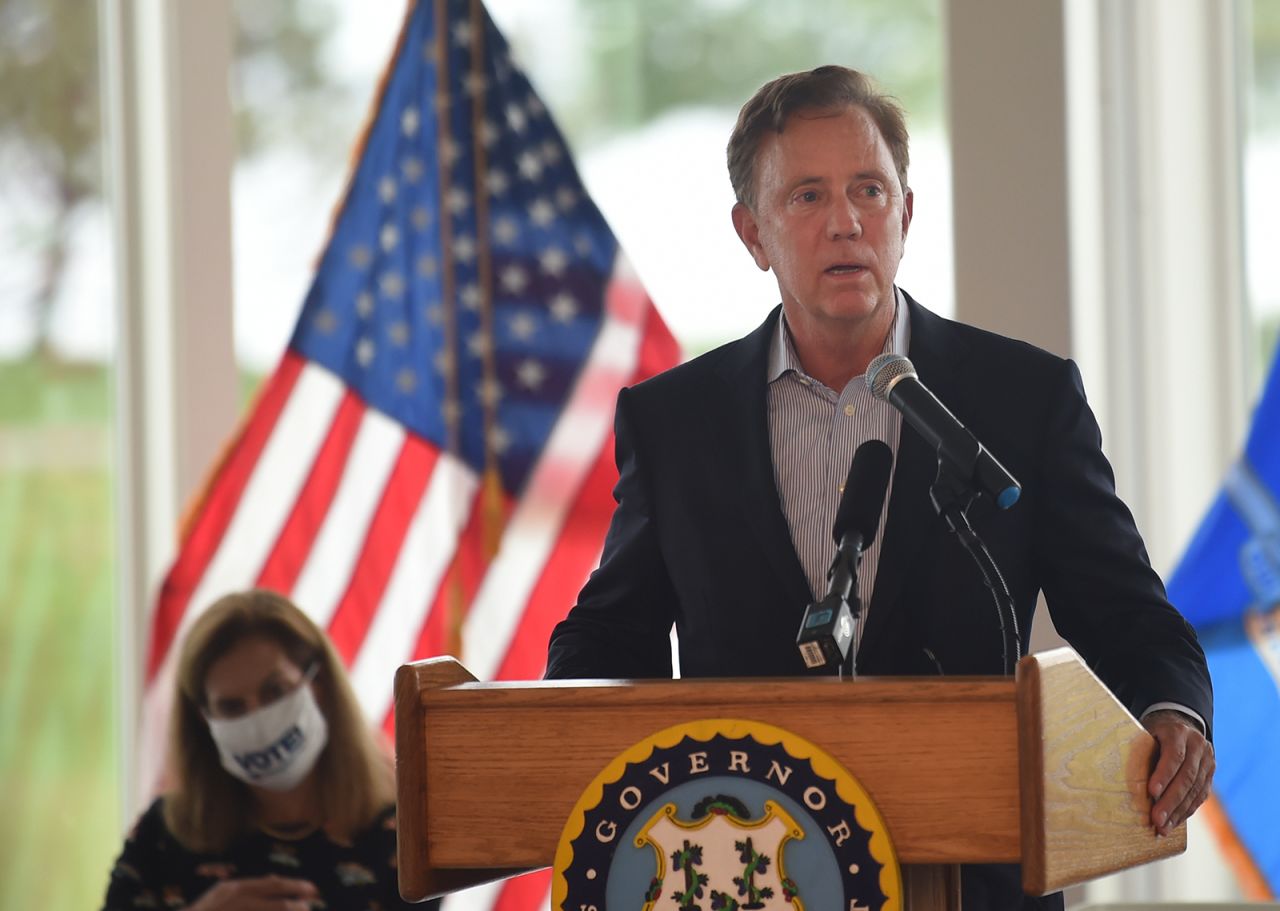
<point>745,435</point>
<point>912,523</point>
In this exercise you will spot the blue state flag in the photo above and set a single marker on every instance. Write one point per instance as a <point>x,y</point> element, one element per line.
<point>1228,587</point>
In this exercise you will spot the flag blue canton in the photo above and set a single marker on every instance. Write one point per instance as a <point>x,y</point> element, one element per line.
<point>467,273</point>
<point>1228,586</point>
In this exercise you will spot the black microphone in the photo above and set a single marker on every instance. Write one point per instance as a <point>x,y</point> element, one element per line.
<point>892,378</point>
<point>826,630</point>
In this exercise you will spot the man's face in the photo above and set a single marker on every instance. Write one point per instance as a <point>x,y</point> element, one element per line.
<point>830,219</point>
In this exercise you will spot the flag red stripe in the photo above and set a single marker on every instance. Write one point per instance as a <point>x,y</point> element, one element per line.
<point>578,546</point>
<point>289,555</point>
<point>575,554</point>
<point>467,567</point>
<point>524,892</point>
<point>216,512</point>
<point>381,547</point>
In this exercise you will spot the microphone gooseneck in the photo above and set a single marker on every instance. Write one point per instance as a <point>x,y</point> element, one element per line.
<point>966,469</point>
<point>892,378</point>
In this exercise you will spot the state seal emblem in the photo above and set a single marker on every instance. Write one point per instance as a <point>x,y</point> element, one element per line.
<point>725,815</point>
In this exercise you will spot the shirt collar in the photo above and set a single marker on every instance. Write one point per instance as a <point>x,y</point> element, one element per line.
<point>782,352</point>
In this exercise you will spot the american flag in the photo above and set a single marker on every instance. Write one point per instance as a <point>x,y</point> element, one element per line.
<point>429,469</point>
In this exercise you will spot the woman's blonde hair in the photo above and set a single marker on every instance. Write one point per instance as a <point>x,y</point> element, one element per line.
<point>207,807</point>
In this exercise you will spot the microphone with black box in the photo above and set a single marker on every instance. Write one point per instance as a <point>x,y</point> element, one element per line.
<point>827,628</point>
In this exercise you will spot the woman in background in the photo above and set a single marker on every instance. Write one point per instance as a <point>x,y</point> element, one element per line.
<point>281,798</point>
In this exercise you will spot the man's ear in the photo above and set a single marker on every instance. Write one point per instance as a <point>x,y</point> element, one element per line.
<point>744,222</point>
<point>908,202</point>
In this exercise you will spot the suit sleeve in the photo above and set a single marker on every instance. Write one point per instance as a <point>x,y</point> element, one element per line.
<point>620,626</point>
<point>1103,595</point>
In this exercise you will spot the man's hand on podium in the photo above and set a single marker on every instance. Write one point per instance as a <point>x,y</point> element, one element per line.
<point>1183,772</point>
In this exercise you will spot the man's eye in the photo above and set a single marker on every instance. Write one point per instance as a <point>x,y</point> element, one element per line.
<point>872,190</point>
<point>807,196</point>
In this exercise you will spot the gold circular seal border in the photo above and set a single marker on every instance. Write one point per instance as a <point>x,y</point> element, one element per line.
<point>866,813</point>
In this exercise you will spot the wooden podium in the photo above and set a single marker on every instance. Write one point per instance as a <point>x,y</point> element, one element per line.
<point>1047,769</point>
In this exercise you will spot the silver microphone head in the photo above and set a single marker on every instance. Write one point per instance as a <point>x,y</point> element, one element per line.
<point>886,370</point>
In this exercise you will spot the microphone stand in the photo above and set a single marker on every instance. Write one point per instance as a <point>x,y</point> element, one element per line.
<point>952,498</point>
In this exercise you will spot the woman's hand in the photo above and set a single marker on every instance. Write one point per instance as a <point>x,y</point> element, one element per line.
<point>261,893</point>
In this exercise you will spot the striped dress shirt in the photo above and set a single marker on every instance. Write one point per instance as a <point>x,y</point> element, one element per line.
<point>813,433</point>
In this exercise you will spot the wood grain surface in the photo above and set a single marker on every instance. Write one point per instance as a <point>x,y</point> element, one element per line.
<point>1085,764</point>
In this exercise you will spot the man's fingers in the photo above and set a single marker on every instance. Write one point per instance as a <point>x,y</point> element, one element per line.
<point>1171,809</point>
<point>1188,788</point>
<point>1175,794</point>
<point>1167,769</point>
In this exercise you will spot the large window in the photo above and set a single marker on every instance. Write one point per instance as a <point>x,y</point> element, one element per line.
<point>646,94</point>
<point>1262,181</point>
<point>59,802</point>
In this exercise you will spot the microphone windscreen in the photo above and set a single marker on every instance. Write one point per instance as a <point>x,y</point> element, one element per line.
<point>884,370</point>
<point>864,491</point>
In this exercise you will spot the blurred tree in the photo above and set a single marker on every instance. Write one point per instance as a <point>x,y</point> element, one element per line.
<point>50,119</point>
<point>668,53</point>
<point>1266,64</point>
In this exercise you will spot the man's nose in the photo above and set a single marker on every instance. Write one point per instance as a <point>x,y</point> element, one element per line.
<point>843,220</point>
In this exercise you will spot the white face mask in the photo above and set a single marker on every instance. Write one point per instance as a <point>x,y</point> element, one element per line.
<point>276,746</point>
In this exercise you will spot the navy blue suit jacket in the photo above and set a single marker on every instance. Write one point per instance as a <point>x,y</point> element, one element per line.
<point>698,538</point>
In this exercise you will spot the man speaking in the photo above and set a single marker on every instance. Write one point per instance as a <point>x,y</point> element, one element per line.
<point>731,468</point>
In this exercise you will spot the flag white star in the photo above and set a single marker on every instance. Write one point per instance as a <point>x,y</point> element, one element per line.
<point>479,344</point>
<point>542,212</point>
<point>470,297</point>
<point>563,307</point>
<point>421,217</point>
<point>490,392</point>
<point>464,247</point>
<point>391,284</point>
<point>553,261</point>
<point>530,165</point>
<point>583,245</point>
<point>499,439</point>
<point>551,152</point>
<point>505,230</point>
<point>365,352</point>
<point>523,326</point>
<point>516,118</point>
<point>443,361</point>
<point>364,304</point>
<point>489,133</point>
<point>427,266</point>
<point>566,198</point>
<point>434,314</point>
<point>514,279</point>
<point>497,182</point>
<point>409,121</point>
<point>412,168</point>
<point>387,189</point>
<point>451,412</point>
<point>359,256</point>
<point>531,374</point>
<point>388,237</point>
<point>474,83</point>
<point>398,332</point>
<point>458,200</point>
<point>461,33</point>
<point>406,380</point>
<point>449,152</point>
<point>325,322</point>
